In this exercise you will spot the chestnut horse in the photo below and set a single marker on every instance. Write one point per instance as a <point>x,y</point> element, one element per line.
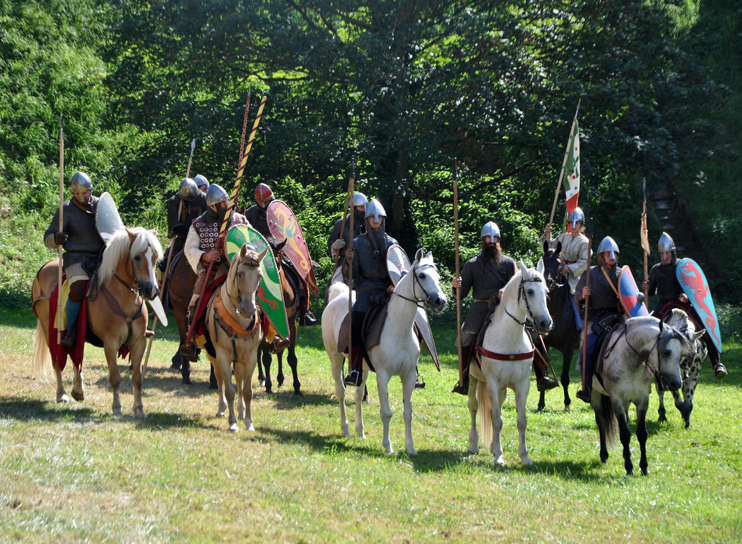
<point>179,292</point>
<point>117,315</point>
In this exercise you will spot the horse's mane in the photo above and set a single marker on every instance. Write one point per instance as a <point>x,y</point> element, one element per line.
<point>119,245</point>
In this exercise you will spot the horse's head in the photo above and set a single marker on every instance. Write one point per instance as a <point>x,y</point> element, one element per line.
<point>426,282</point>
<point>143,250</point>
<point>675,350</point>
<point>244,278</point>
<point>551,265</point>
<point>532,293</point>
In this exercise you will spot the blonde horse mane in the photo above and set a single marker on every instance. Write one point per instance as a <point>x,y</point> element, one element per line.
<point>120,244</point>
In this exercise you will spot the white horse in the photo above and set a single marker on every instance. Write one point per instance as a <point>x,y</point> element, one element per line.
<point>397,353</point>
<point>506,356</point>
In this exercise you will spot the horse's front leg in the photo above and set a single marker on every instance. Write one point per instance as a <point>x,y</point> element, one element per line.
<point>225,369</point>
<point>78,388</point>
<point>622,416</point>
<point>358,394</point>
<point>382,384</point>
<point>294,364</point>
<point>473,407</point>
<point>408,386</point>
<point>61,393</point>
<point>521,396</point>
<point>222,408</point>
<point>114,377</point>
<point>661,410</point>
<point>497,398</point>
<point>261,375</point>
<point>602,422</point>
<point>564,378</point>
<point>267,368</point>
<point>137,376</point>
<point>279,376</point>
<point>252,360</point>
<point>641,432</point>
<point>239,377</point>
<point>337,363</point>
<point>685,405</point>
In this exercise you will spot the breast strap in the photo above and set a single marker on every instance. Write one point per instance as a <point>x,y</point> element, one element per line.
<point>116,307</point>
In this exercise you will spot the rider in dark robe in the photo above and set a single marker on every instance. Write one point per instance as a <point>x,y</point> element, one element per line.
<point>371,277</point>
<point>663,282</point>
<point>82,247</point>
<point>603,302</point>
<point>337,240</point>
<point>258,218</point>
<point>179,218</point>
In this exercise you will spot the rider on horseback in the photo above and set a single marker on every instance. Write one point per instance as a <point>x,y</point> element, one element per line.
<point>338,240</point>
<point>82,244</point>
<point>574,254</point>
<point>193,205</point>
<point>200,247</point>
<point>663,282</point>
<point>258,218</point>
<point>603,302</point>
<point>486,276</point>
<point>371,277</point>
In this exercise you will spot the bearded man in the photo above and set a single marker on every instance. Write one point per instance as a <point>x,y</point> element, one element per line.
<point>82,247</point>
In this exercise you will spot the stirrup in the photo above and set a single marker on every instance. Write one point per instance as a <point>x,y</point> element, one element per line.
<point>419,382</point>
<point>583,395</point>
<point>462,389</point>
<point>719,371</point>
<point>355,378</point>
<point>546,384</point>
<point>189,352</point>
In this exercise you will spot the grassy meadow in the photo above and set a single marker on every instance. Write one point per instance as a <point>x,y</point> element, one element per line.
<point>73,473</point>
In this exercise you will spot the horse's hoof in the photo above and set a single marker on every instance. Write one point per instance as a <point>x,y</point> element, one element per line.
<point>117,412</point>
<point>412,452</point>
<point>526,462</point>
<point>250,427</point>
<point>473,450</point>
<point>567,409</point>
<point>78,396</point>
<point>233,428</point>
<point>139,414</point>
<point>221,412</point>
<point>187,380</point>
<point>298,393</point>
<point>63,398</point>
<point>261,383</point>
<point>501,462</point>
<point>346,434</point>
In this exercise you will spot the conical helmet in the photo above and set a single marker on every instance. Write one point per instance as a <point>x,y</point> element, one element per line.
<point>491,230</point>
<point>201,181</point>
<point>609,244</point>
<point>576,216</point>
<point>375,209</point>
<point>81,183</point>
<point>359,199</point>
<point>666,243</point>
<point>188,189</point>
<point>215,195</point>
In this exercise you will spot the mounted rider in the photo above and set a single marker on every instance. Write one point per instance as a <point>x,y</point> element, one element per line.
<point>338,240</point>
<point>371,277</point>
<point>82,245</point>
<point>663,282</point>
<point>574,254</point>
<point>200,247</point>
<point>486,275</point>
<point>258,218</point>
<point>604,303</point>
<point>193,205</point>
<point>202,183</point>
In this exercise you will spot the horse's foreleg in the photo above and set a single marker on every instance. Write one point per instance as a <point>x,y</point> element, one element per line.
<point>564,378</point>
<point>267,368</point>
<point>601,422</point>
<point>279,376</point>
<point>261,375</point>
<point>382,384</point>
<point>252,359</point>
<point>497,398</point>
<point>661,410</point>
<point>685,405</point>
<point>473,407</point>
<point>541,401</point>
<point>358,395</point>
<point>114,377</point>
<point>294,364</point>
<point>61,393</point>
<point>521,395</point>
<point>408,386</point>
<point>239,376</point>
<point>225,369</point>
<point>623,429</point>
<point>337,362</point>
<point>641,433</point>
<point>78,387</point>
<point>222,408</point>
<point>137,376</point>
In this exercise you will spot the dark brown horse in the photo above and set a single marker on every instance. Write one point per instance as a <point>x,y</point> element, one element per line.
<point>291,301</point>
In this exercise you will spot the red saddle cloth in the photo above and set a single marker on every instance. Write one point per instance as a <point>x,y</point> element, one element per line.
<point>198,320</point>
<point>59,353</point>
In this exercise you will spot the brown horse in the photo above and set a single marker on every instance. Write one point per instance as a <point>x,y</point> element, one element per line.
<point>291,301</point>
<point>233,326</point>
<point>117,315</point>
<point>179,292</point>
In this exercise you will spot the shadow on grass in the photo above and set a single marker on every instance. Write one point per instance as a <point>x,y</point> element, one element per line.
<point>26,410</point>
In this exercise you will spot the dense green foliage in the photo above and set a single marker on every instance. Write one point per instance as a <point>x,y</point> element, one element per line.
<point>405,86</point>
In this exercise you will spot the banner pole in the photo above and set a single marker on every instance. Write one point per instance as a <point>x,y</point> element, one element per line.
<point>564,167</point>
<point>61,229</point>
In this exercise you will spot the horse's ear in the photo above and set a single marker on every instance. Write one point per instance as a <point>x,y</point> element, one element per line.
<point>243,251</point>
<point>523,269</point>
<point>540,266</point>
<point>558,248</point>
<point>132,235</point>
<point>264,253</point>
<point>420,255</point>
<point>698,334</point>
<point>279,247</point>
<point>154,231</point>
<point>429,255</point>
<point>546,246</point>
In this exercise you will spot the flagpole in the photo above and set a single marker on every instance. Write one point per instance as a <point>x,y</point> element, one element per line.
<point>645,241</point>
<point>61,229</point>
<point>458,272</point>
<point>351,190</point>
<point>564,166</point>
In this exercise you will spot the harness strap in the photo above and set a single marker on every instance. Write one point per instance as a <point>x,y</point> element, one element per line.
<point>116,307</point>
<point>505,357</point>
<point>227,322</point>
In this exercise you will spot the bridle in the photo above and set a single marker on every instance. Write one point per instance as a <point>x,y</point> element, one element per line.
<point>552,281</point>
<point>522,292</point>
<point>252,264</point>
<point>417,301</point>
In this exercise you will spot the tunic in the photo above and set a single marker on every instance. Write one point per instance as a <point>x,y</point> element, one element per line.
<point>203,235</point>
<point>84,244</point>
<point>603,299</point>
<point>664,283</point>
<point>574,254</point>
<point>485,279</point>
<point>258,219</point>
<point>370,270</point>
<point>358,228</point>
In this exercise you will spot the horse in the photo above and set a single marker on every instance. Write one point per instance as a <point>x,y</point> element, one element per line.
<point>691,369</point>
<point>506,357</point>
<point>398,351</point>
<point>291,302</point>
<point>635,353</point>
<point>125,276</point>
<point>179,292</point>
<point>233,326</point>
<point>563,336</point>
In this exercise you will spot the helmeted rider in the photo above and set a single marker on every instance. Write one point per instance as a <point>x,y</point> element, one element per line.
<point>338,240</point>
<point>82,247</point>
<point>485,276</point>
<point>200,247</point>
<point>663,282</point>
<point>202,183</point>
<point>194,204</point>
<point>574,254</point>
<point>603,302</point>
<point>371,277</point>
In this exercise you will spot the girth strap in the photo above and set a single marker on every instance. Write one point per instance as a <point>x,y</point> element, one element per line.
<point>116,307</point>
<point>504,357</point>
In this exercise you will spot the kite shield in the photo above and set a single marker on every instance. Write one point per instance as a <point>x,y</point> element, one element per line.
<point>629,295</point>
<point>107,218</point>
<point>694,284</point>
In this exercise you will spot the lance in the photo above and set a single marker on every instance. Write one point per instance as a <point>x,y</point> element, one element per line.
<point>244,127</point>
<point>456,257</point>
<point>587,301</point>
<point>225,221</point>
<point>167,267</point>
<point>351,189</point>
<point>564,166</point>
<point>61,228</point>
<point>645,240</point>
<point>345,209</point>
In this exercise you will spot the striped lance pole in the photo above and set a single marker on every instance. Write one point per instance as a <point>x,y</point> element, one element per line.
<point>244,128</point>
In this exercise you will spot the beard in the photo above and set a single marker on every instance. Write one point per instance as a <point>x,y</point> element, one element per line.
<point>493,253</point>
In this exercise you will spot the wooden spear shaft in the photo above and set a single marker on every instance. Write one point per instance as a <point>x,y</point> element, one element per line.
<point>644,227</point>
<point>587,304</point>
<point>351,189</point>
<point>458,273</point>
<point>342,225</point>
<point>564,167</point>
<point>61,229</point>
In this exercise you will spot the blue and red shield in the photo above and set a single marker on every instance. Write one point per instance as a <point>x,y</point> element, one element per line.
<point>694,284</point>
<point>629,294</point>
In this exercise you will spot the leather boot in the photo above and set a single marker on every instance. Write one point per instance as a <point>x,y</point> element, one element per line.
<point>462,388</point>
<point>543,381</point>
<point>355,378</point>
<point>583,395</point>
<point>419,380</point>
<point>70,339</point>
<point>719,371</point>
<point>307,320</point>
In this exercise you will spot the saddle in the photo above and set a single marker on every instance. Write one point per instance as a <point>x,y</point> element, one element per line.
<point>603,329</point>
<point>373,324</point>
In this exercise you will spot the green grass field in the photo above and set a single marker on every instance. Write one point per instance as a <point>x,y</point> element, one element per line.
<point>72,473</point>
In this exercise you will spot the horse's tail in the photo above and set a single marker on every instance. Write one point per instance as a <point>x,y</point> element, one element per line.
<point>42,359</point>
<point>336,289</point>
<point>485,413</point>
<point>609,417</point>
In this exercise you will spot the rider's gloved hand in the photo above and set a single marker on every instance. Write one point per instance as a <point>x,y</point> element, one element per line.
<point>60,238</point>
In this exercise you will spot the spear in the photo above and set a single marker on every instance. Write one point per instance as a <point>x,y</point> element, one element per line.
<point>564,166</point>
<point>351,189</point>
<point>225,221</point>
<point>345,209</point>
<point>645,240</point>
<point>167,266</point>
<point>456,253</point>
<point>61,228</point>
<point>587,301</point>
<point>244,127</point>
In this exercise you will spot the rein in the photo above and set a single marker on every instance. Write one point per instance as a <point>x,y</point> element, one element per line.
<point>522,291</point>
<point>644,360</point>
<point>419,302</point>
<point>116,307</point>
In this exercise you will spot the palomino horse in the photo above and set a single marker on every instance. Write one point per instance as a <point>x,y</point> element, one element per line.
<point>691,368</point>
<point>233,325</point>
<point>506,357</point>
<point>117,315</point>
<point>563,336</point>
<point>642,349</point>
<point>399,349</point>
